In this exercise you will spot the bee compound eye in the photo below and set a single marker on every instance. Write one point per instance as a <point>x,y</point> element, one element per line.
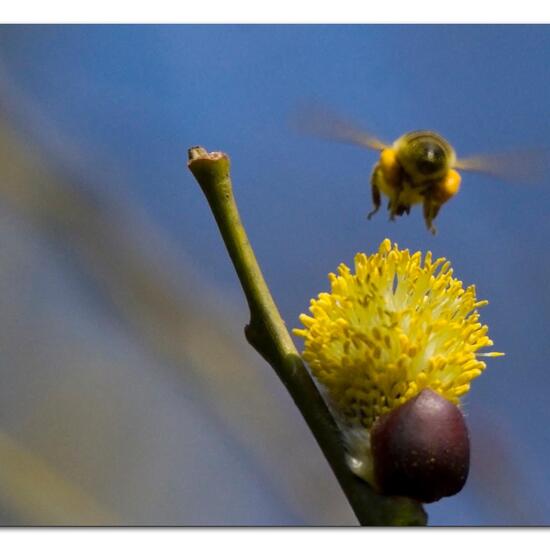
<point>430,158</point>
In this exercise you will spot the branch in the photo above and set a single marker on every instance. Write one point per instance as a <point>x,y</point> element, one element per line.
<point>267,333</point>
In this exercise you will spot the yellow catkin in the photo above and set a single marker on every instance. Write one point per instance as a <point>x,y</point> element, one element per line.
<point>394,327</point>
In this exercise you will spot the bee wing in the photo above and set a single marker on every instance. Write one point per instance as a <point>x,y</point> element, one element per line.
<point>319,121</point>
<point>527,166</point>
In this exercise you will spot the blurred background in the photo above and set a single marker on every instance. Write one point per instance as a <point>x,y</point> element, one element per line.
<point>128,394</point>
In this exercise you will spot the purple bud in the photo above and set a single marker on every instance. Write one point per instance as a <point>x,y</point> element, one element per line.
<point>421,449</point>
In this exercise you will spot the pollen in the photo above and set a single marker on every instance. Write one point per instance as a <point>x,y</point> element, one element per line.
<point>397,324</point>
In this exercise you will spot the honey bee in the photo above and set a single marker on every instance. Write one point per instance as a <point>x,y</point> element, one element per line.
<point>419,167</point>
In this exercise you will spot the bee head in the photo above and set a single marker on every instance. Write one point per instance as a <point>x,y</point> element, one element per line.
<point>424,155</point>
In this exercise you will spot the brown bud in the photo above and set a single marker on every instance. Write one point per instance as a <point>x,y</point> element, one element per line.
<point>421,449</point>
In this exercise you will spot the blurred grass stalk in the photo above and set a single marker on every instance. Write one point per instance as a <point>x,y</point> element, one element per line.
<point>39,495</point>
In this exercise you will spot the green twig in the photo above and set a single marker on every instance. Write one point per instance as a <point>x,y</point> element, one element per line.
<point>267,333</point>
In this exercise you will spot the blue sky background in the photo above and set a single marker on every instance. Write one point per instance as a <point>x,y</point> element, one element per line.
<point>131,100</point>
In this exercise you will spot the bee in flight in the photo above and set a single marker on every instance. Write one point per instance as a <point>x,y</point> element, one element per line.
<point>419,167</point>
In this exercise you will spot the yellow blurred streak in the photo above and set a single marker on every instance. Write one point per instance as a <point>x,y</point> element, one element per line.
<point>41,496</point>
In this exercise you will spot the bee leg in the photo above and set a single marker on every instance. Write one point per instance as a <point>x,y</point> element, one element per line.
<point>392,209</point>
<point>402,209</point>
<point>395,207</point>
<point>376,199</point>
<point>431,210</point>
